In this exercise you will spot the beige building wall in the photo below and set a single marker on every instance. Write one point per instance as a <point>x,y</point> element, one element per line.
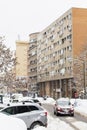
<point>57,46</point>
<point>21,55</point>
<point>79,29</point>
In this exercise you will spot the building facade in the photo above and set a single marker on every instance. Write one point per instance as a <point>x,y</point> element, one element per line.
<point>32,61</point>
<point>57,47</point>
<point>49,58</point>
<point>22,64</point>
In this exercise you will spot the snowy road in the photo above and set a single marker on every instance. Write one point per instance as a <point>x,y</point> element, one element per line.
<point>75,123</point>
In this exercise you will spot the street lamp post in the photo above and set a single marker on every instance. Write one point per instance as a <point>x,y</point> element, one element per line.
<point>84,70</point>
<point>60,88</point>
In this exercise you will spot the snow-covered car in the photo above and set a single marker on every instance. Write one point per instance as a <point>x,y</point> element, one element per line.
<point>63,107</point>
<point>30,100</point>
<point>11,123</point>
<point>31,113</point>
<point>36,101</point>
<point>2,105</point>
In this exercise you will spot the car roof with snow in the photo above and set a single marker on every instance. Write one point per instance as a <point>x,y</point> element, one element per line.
<point>21,104</point>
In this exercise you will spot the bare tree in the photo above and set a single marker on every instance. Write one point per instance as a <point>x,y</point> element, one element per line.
<point>80,69</point>
<point>7,63</point>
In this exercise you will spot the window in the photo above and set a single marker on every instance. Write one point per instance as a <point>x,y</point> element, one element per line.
<point>61,61</point>
<point>69,27</point>
<point>63,40</point>
<point>61,22</point>
<point>10,110</point>
<point>69,16</point>
<point>33,108</point>
<point>44,33</point>
<point>22,109</point>
<point>61,51</point>
<point>62,71</point>
<point>33,53</point>
<point>61,32</point>
<point>35,100</point>
<point>69,48</point>
<point>53,54</point>
<point>69,36</point>
<point>55,44</point>
<point>52,73</point>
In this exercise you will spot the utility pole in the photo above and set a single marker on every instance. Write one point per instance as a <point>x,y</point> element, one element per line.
<point>60,88</point>
<point>84,74</point>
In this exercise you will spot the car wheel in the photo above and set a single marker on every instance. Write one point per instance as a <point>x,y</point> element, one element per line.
<point>57,114</point>
<point>72,114</point>
<point>54,113</point>
<point>35,125</point>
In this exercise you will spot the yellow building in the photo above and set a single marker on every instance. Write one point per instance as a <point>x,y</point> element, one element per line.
<point>21,55</point>
<point>22,61</point>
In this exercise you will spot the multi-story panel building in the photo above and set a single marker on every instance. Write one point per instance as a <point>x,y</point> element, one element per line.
<point>57,47</point>
<point>22,61</point>
<point>32,61</point>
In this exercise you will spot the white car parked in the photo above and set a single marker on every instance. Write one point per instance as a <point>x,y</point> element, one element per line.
<point>11,123</point>
<point>31,113</point>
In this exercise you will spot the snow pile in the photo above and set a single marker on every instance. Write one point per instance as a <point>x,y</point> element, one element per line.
<point>40,99</point>
<point>81,106</point>
<point>80,125</point>
<point>49,100</point>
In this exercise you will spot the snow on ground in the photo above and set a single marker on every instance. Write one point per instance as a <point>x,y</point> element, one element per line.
<point>81,106</point>
<point>80,125</point>
<point>47,101</point>
<point>57,124</point>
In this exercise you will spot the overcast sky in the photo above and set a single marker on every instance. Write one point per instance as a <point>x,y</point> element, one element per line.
<point>22,17</point>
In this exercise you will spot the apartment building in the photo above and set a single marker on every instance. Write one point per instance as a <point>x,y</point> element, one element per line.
<point>32,61</point>
<point>22,64</point>
<point>58,46</point>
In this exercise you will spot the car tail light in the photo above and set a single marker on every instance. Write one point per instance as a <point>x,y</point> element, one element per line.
<point>45,113</point>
